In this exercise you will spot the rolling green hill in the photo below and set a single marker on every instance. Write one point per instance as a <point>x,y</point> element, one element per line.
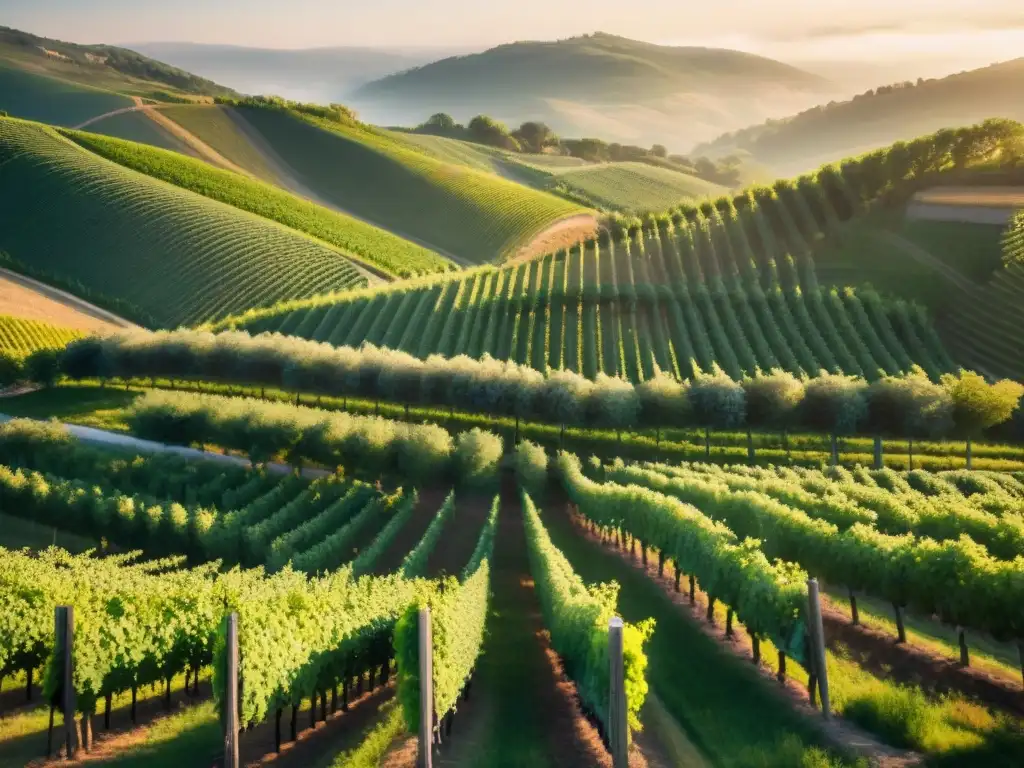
<point>877,118</point>
<point>377,249</point>
<point>176,256</point>
<point>51,100</point>
<point>467,214</point>
<point>136,126</point>
<point>771,277</point>
<point>103,66</point>
<point>218,127</point>
<point>625,90</point>
<point>634,187</point>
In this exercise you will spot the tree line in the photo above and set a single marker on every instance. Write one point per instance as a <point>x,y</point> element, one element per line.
<point>907,406</point>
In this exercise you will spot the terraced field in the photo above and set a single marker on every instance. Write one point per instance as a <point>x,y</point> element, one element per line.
<point>49,100</point>
<point>176,256</point>
<point>21,337</point>
<point>664,303</point>
<point>382,251</point>
<point>472,216</point>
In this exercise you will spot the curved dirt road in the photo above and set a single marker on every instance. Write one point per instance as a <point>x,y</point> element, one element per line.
<point>564,233</point>
<point>54,305</point>
<point>970,205</point>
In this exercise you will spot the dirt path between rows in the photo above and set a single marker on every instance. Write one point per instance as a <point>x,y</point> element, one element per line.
<point>971,205</point>
<point>521,710</point>
<point>36,300</point>
<point>189,139</point>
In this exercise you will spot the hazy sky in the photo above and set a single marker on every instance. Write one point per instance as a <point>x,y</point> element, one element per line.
<point>982,30</point>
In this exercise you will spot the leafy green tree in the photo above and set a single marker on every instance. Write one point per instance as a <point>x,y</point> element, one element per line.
<point>716,402</point>
<point>663,403</point>
<point>11,370</point>
<point>834,404</point>
<point>440,124</point>
<point>535,137</point>
<point>908,406</point>
<point>43,367</point>
<point>613,404</point>
<point>772,401</point>
<point>486,130</point>
<point>659,150</point>
<point>978,405</point>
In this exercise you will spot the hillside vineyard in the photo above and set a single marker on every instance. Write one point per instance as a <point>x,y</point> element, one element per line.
<point>680,301</point>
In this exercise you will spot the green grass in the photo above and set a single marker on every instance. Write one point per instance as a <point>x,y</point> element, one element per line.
<point>215,126</point>
<point>635,186</point>
<point>50,100</point>
<point>358,240</point>
<point>988,655</point>
<point>100,407</point>
<point>178,257</point>
<point>19,336</point>
<point>475,216</point>
<point>136,126</point>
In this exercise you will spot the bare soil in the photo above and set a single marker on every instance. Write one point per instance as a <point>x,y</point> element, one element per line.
<point>408,537</point>
<point>26,298</point>
<point>460,535</point>
<point>560,235</point>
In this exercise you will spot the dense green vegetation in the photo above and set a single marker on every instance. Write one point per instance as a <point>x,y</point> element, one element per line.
<point>473,216</point>
<point>632,186</point>
<point>49,100</point>
<point>363,242</point>
<point>177,256</point>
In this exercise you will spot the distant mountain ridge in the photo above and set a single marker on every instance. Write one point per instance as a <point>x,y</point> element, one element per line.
<point>105,59</point>
<point>580,84</point>
<point>878,117</point>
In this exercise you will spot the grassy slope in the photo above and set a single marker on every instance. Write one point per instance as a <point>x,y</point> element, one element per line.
<point>136,126</point>
<point>20,337</point>
<point>475,216</point>
<point>635,186</point>
<point>214,126</point>
<point>50,100</point>
<point>376,247</point>
<point>175,255</point>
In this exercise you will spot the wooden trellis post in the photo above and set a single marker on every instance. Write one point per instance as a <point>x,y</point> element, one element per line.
<point>64,635</point>
<point>231,732</point>
<point>426,651</point>
<point>816,629</point>
<point>618,726</point>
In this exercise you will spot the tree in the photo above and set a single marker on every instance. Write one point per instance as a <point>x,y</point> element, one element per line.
<point>772,402</point>
<point>716,402</point>
<point>10,369</point>
<point>613,404</point>
<point>659,150</point>
<point>663,403</point>
<point>535,137</point>
<point>978,405</point>
<point>486,130</point>
<point>908,406</point>
<point>440,124</point>
<point>834,404</point>
<point>43,367</point>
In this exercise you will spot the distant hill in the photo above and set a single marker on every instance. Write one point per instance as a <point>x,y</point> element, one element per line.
<point>314,74</point>
<point>597,84</point>
<point>103,66</point>
<point>878,117</point>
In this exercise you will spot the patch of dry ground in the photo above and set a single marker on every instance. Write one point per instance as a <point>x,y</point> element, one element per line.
<point>29,299</point>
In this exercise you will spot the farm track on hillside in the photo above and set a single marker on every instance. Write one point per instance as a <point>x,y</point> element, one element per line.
<point>923,257</point>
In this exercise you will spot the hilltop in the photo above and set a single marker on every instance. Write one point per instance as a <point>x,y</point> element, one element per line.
<point>600,83</point>
<point>877,117</point>
<point>104,66</point>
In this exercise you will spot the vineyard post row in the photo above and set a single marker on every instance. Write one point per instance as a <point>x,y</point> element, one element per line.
<point>618,720</point>
<point>64,632</point>
<point>230,719</point>
<point>425,757</point>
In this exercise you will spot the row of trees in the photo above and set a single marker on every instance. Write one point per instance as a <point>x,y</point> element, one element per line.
<point>910,405</point>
